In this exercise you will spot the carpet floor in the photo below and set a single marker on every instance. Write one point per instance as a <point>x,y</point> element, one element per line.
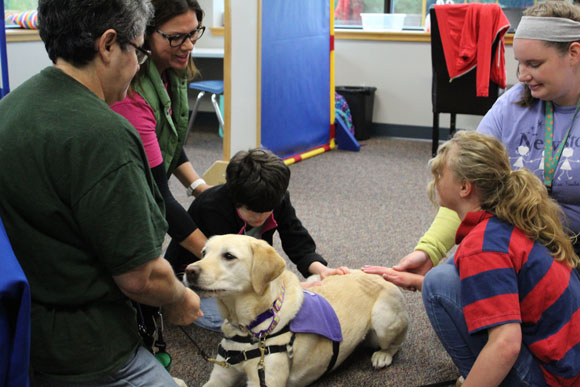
<point>366,207</point>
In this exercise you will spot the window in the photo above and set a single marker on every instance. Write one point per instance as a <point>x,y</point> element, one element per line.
<point>18,13</point>
<point>20,5</point>
<point>347,12</point>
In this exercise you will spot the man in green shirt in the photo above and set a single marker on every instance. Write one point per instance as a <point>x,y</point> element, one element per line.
<point>79,204</point>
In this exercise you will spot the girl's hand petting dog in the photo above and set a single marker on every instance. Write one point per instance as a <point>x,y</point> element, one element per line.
<point>417,262</point>
<point>403,279</point>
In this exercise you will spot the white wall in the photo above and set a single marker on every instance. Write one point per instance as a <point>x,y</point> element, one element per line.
<point>25,59</point>
<point>244,68</point>
<point>214,11</point>
<point>401,72</point>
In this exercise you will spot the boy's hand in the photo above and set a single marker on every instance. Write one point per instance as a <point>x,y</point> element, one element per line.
<point>320,272</point>
<point>323,271</point>
<point>327,271</point>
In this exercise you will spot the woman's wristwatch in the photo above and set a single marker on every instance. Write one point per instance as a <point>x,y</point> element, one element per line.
<point>194,185</point>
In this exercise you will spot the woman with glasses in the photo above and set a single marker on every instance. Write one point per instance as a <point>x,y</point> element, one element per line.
<point>157,106</point>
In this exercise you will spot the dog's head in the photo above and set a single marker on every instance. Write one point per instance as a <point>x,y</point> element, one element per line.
<point>234,264</point>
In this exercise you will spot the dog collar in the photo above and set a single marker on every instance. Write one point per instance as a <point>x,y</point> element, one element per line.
<point>271,313</point>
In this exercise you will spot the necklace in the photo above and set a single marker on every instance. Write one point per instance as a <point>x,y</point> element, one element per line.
<point>551,157</point>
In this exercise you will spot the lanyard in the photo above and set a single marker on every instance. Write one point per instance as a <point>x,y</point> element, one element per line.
<point>551,159</point>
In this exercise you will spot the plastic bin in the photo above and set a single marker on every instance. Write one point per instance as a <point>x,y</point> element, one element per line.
<point>382,21</point>
<point>360,102</point>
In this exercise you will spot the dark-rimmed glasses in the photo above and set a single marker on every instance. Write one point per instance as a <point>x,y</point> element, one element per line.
<point>142,54</point>
<point>178,39</point>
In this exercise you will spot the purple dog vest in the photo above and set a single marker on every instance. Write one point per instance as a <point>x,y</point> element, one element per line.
<point>317,316</point>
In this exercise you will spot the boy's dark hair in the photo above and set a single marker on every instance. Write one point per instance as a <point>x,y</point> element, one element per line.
<point>257,179</point>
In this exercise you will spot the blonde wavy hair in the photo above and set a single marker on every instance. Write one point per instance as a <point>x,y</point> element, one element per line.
<point>516,197</point>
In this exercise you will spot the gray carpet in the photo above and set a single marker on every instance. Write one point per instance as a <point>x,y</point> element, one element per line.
<point>367,207</point>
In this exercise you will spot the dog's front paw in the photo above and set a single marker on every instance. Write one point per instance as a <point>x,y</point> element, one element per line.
<point>179,382</point>
<point>381,359</point>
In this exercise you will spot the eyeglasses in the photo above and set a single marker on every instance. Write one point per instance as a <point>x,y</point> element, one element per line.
<point>178,39</point>
<point>142,54</point>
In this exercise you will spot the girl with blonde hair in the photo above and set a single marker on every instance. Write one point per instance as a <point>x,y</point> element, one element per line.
<point>538,122</point>
<point>515,311</point>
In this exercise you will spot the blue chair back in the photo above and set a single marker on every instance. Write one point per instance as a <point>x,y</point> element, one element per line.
<point>5,89</point>
<point>14,318</point>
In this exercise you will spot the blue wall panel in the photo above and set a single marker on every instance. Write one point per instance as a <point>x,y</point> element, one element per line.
<point>295,75</point>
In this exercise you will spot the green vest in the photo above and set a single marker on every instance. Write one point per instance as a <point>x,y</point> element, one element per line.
<point>171,127</point>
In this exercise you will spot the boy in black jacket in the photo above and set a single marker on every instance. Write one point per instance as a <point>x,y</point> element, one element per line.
<point>253,201</point>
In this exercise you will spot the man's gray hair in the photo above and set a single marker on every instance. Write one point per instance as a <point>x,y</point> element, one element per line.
<point>69,28</point>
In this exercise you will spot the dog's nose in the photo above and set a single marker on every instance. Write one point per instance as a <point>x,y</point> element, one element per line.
<point>192,273</point>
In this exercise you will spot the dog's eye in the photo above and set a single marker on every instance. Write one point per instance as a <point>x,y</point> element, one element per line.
<point>229,256</point>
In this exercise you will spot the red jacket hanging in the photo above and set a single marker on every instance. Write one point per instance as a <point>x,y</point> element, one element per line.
<point>467,35</point>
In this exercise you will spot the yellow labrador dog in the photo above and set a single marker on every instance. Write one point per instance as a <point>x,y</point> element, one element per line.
<point>259,300</point>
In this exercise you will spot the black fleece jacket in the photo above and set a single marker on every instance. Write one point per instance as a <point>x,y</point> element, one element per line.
<point>215,214</point>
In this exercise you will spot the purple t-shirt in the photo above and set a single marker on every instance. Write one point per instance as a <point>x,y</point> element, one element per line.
<point>521,129</point>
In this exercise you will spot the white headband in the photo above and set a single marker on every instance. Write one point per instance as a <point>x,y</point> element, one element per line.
<point>550,29</point>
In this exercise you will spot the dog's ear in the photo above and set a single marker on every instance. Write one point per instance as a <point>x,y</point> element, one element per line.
<point>266,266</point>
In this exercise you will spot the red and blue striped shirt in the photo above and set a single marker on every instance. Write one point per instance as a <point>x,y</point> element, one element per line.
<point>506,278</point>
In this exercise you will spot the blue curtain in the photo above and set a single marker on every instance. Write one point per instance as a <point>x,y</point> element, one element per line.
<point>295,75</point>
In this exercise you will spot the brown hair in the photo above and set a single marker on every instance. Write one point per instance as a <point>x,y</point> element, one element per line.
<point>551,8</point>
<point>165,10</point>
<point>516,197</point>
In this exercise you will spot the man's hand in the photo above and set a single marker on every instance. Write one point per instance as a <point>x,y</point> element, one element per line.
<point>184,311</point>
<point>154,283</point>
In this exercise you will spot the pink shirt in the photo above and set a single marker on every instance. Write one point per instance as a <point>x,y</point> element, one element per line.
<point>141,116</point>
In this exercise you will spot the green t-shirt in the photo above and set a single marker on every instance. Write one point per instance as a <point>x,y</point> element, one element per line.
<point>79,205</point>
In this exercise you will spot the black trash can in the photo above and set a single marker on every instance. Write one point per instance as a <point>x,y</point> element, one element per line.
<point>360,102</point>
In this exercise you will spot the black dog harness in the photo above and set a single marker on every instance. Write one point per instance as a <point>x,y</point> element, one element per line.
<point>234,357</point>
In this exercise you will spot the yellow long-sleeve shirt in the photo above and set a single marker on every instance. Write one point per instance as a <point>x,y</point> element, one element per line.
<point>440,237</point>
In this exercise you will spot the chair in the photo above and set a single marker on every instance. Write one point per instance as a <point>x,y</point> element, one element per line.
<point>214,87</point>
<point>458,96</point>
